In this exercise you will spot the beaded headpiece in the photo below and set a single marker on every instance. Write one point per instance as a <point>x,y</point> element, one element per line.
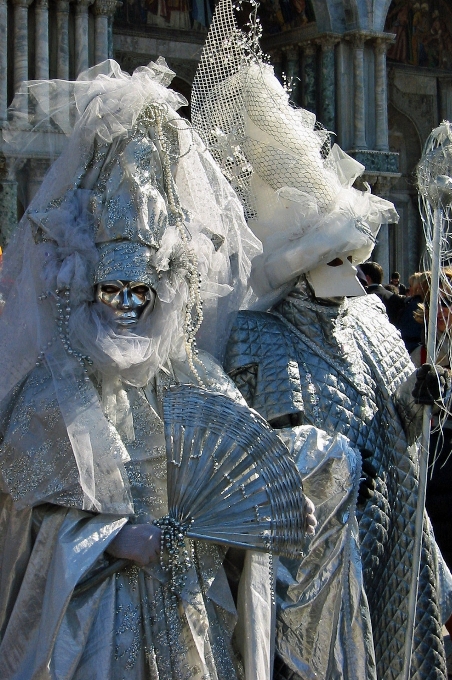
<point>125,261</point>
<point>134,192</point>
<point>134,202</point>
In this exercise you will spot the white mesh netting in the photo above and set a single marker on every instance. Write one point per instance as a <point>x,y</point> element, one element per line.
<point>296,190</point>
<point>243,114</point>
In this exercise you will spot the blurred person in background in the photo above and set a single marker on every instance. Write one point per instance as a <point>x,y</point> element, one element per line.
<point>410,329</point>
<point>395,281</point>
<point>373,271</point>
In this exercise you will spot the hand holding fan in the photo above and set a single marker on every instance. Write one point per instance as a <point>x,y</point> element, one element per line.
<point>230,478</point>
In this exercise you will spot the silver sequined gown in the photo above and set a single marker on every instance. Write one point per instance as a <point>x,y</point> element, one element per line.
<point>337,367</point>
<point>128,626</point>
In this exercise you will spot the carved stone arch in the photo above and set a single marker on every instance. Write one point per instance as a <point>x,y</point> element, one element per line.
<point>329,15</point>
<point>367,15</point>
<point>404,138</point>
<point>406,239</point>
<point>380,12</point>
<point>414,97</point>
<point>352,15</point>
<point>339,16</point>
<point>362,9</point>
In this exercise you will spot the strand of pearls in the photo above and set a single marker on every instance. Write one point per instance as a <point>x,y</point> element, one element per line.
<point>271,569</point>
<point>63,307</point>
<point>156,115</point>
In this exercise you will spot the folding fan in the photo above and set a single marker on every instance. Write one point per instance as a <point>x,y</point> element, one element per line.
<point>230,478</point>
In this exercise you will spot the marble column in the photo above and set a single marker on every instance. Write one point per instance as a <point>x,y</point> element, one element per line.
<point>3,59</point>
<point>20,41</point>
<point>62,26</point>
<point>42,47</point>
<point>293,73</point>
<point>327,107</point>
<point>381,186</point>
<point>8,203</point>
<point>309,97</point>
<point>62,18</point>
<point>381,251</point>
<point>381,96</point>
<point>103,9</point>
<point>110,31</point>
<point>81,35</point>
<point>445,98</point>
<point>359,131</point>
<point>343,80</point>
<point>42,40</point>
<point>276,59</point>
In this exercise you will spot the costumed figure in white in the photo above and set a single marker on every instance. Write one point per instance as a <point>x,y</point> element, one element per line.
<point>323,369</point>
<point>121,444</point>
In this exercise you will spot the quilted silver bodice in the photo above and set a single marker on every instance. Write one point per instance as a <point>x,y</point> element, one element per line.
<point>338,367</point>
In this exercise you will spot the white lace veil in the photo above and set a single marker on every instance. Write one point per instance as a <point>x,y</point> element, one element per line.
<point>124,132</point>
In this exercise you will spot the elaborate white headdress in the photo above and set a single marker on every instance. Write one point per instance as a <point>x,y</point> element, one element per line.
<point>134,193</point>
<point>297,192</point>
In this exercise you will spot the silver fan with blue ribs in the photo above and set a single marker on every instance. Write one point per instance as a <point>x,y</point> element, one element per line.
<point>231,480</point>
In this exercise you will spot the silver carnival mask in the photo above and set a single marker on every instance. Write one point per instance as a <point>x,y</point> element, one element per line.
<point>129,301</point>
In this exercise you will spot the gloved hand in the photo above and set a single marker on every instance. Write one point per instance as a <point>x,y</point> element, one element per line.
<point>367,485</point>
<point>139,543</point>
<point>432,383</point>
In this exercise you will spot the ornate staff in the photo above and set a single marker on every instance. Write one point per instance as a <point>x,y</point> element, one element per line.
<point>435,204</point>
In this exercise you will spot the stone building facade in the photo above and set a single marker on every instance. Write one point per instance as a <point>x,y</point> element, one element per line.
<point>376,73</point>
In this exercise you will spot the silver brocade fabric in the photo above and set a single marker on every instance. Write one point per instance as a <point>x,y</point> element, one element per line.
<point>129,625</point>
<point>337,367</point>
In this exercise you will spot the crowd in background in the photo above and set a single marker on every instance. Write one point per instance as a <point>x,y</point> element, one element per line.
<point>401,302</point>
<point>408,310</point>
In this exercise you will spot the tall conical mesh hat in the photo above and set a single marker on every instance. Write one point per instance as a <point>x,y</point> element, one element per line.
<point>232,90</point>
<point>296,190</point>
